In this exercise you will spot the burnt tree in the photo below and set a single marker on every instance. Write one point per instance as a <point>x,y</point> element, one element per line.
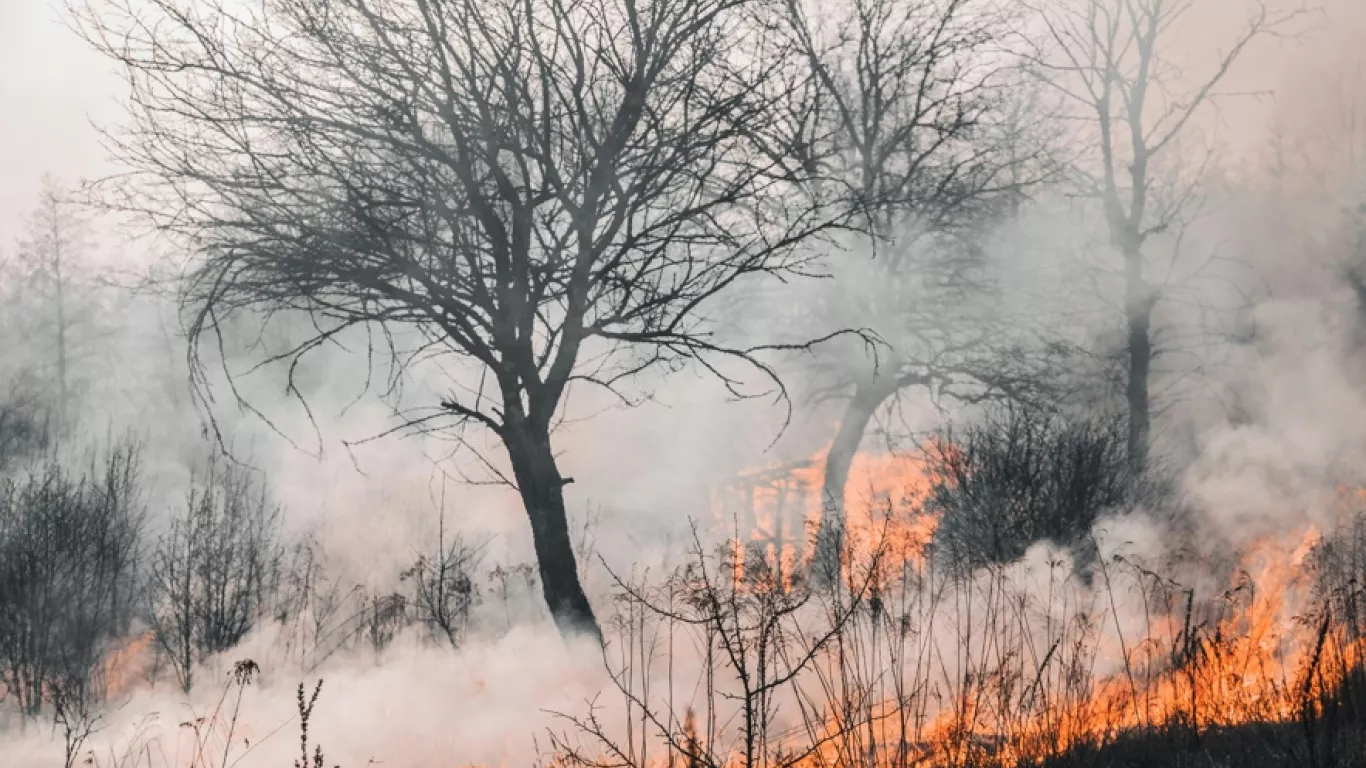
<point>549,192</point>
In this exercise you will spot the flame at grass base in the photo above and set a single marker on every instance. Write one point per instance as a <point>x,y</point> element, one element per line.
<point>1022,663</point>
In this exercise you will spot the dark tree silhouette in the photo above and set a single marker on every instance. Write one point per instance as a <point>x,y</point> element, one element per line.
<point>550,191</point>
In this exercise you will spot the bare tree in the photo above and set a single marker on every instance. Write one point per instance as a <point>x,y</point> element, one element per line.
<point>549,192</point>
<point>443,587</point>
<point>54,284</point>
<point>1111,61</point>
<point>215,573</point>
<point>915,127</point>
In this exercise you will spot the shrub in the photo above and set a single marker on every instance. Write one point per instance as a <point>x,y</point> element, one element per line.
<point>216,572</point>
<point>1023,475</point>
<point>69,559</point>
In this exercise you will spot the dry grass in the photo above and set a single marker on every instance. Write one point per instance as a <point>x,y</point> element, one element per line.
<point>1028,664</point>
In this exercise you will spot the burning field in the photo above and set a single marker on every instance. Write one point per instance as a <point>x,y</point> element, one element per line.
<point>1140,640</point>
<point>1049,660</point>
<point>1125,645</point>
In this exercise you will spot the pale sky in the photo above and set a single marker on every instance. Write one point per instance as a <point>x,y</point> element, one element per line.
<point>52,85</point>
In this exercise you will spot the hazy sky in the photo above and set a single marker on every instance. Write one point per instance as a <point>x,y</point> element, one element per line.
<point>52,85</point>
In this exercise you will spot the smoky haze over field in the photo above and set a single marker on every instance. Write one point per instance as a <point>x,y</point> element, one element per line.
<point>1258,412</point>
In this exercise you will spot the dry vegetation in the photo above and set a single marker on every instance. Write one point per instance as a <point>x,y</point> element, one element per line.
<point>1047,641</point>
<point>1076,653</point>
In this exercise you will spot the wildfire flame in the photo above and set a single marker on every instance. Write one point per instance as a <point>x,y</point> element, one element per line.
<point>1265,650</point>
<point>1060,672</point>
<point>774,511</point>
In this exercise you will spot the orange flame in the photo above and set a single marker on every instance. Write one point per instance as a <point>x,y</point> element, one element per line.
<point>774,511</point>
<point>1266,650</point>
<point>124,664</point>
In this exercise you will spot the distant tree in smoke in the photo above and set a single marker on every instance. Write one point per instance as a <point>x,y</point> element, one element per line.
<point>921,127</point>
<point>549,193</point>
<point>1114,65</point>
<point>53,303</point>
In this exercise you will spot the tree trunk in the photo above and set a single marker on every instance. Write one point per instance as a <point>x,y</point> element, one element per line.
<point>868,396</point>
<point>542,491</point>
<point>1138,314</point>
<point>61,334</point>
